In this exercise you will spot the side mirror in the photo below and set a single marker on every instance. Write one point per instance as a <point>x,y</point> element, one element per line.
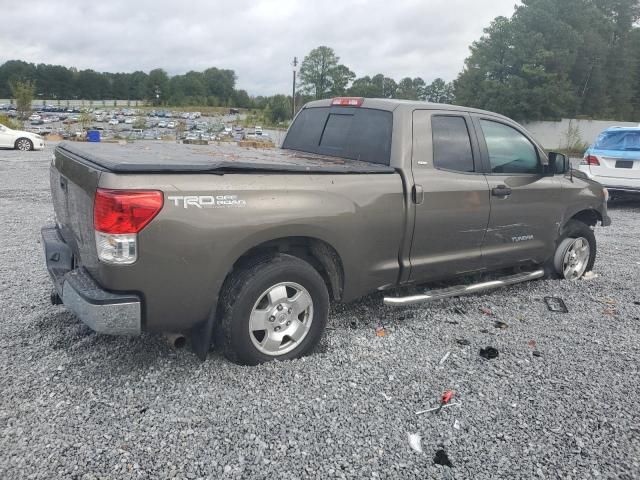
<point>559,164</point>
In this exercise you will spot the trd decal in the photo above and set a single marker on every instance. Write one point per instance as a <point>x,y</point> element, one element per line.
<point>207,201</point>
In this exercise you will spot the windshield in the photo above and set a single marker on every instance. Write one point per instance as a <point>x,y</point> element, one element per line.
<point>346,132</point>
<point>622,140</point>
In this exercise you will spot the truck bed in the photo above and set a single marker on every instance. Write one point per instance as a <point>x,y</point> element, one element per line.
<point>169,157</point>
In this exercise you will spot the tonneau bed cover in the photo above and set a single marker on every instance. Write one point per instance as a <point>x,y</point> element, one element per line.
<point>169,157</point>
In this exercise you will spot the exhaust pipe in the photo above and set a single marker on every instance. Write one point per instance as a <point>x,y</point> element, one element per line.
<point>175,340</point>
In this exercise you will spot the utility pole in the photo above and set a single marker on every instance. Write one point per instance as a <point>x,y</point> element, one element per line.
<point>293,97</point>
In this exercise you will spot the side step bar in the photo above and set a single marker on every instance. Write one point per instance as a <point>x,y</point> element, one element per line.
<point>463,289</point>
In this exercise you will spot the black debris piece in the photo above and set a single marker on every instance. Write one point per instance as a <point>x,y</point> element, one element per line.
<point>459,310</point>
<point>536,353</point>
<point>441,458</point>
<point>462,341</point>
<point>488,353</point>
<point>500,325</point>
<point>555,304</point>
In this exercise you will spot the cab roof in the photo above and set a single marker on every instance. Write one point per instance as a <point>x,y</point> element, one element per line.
<point>407,105</point>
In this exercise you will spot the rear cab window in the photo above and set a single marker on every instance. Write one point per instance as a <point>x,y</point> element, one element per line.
<point>352,133</point>
<point>451,144</point>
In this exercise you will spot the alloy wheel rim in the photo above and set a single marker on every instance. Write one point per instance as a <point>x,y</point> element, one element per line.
<point>576,259</point>
<point>281,318</point>
<point>24,145</point>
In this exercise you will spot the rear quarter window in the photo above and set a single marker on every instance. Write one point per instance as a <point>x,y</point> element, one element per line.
<point>347,132</point>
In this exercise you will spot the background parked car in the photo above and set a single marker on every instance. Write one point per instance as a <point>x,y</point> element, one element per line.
<point>20,140</point>
<point>614,160</point>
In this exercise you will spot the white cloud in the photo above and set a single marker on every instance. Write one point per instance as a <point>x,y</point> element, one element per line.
<point>258,39</point>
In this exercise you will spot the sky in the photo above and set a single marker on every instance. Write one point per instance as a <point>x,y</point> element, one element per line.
<point>257,39</point>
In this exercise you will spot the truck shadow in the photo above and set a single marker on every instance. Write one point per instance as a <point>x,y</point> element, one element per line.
<point>61,330</point>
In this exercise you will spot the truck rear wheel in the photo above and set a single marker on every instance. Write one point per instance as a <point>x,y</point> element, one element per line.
<point>273,309</point>
<point>575,252</point>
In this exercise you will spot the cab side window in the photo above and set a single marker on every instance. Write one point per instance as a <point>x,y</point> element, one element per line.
<point>509,150</point>
<point>451,143</point>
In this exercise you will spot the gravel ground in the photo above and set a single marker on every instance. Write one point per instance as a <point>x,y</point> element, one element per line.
<point>74,404</point>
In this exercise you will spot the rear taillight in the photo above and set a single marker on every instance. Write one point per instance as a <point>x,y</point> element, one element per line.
<point>125,211</point>
<point>590,160</point>
<point>118,216</point>
<point>347,101</point>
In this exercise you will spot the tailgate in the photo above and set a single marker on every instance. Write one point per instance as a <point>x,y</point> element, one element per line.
<point>73,186</point>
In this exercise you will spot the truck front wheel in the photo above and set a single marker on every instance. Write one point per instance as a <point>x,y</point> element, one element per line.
<point>575,252</point>
<point>272,309</point>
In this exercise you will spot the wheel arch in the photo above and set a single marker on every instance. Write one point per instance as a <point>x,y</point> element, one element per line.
<point>15,144</point>
<point>318,253</point>
<point>588,216</point>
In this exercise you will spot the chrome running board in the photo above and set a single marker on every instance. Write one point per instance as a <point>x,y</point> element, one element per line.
<point>463,289</point>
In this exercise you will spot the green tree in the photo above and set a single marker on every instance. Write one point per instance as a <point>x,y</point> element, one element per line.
<point>322,76</point>
<point>315,71</point>
<point>23,91</point>
<point>410,89</point>
<point>340,77</point>
<point>85,119</point>
<point>157,86</point>
<point>512,71</point>
<point>439,91</point>
<point>556,58</point>
<point>278,108</point>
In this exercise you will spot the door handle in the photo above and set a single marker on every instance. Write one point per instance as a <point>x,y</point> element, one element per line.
<point>501,191</point>
<point>418,194</point>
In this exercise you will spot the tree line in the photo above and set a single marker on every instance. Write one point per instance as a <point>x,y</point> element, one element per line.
<point>211,87</point>
<point>323,76</point>
<point>550,59</point>
<point>557,58</point>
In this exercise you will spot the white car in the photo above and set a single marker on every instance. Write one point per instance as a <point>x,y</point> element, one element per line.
<point>614,160</point>
<point>20,140</point>
<point>114,121</point>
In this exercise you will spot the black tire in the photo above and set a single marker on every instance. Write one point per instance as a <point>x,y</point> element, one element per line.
<point>23,144</point>
<point>246,287</point>
<point>572,230</point>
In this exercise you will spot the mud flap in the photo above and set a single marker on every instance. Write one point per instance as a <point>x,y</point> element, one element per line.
<point>202,334</point>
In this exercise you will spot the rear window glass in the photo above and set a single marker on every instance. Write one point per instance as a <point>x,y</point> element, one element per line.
<point>346,132</point>
<point>624,140</point>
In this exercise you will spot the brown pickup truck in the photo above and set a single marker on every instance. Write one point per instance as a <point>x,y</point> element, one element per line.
<point>247,247</point>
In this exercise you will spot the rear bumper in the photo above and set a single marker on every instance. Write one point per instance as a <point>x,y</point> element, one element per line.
<point>614,184</point>
<point>617,188</point>
<point>101,310</point>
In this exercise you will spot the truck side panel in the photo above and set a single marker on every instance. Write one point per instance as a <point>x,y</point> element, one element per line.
<point>209,221</point>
